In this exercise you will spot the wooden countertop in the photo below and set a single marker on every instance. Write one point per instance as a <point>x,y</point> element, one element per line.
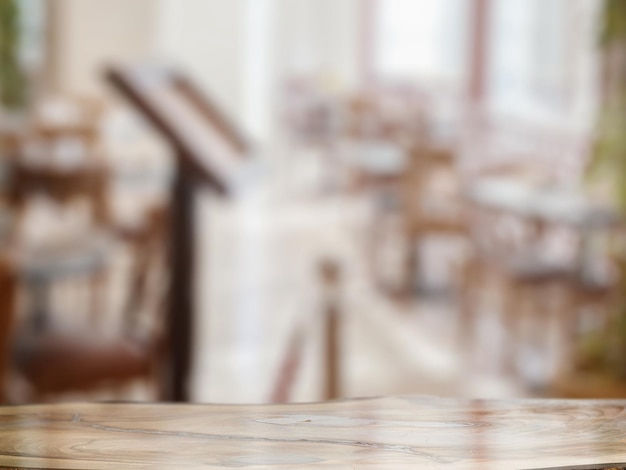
<point>395,432</point>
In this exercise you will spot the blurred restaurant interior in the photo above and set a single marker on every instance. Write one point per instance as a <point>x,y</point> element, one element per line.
<point>254,201</point>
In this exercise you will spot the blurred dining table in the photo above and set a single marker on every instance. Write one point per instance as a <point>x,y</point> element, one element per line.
<point>548,205</point>
<point>543,202</point>
<point>390,432</point>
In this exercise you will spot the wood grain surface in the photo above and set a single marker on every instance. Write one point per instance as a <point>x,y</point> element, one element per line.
<point>395,432</point>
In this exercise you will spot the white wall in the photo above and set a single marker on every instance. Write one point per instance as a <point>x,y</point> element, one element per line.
<point>206,38</point>
<point>240,66</point>
<point>89,34</point>
<point>241,51</point>
<point>341,39</point>
<point>259,68</point>
<point>320,37</point>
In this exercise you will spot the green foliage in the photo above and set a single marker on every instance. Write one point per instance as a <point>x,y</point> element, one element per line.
<point>12,79</point>
<point>607,351</point>
<point>614,21</point>
<point>608,162</point>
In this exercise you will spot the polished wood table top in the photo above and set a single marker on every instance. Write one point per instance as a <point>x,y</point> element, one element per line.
<point>395,432</point>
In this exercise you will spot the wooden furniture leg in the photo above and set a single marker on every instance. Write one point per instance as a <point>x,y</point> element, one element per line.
<point>7,310</point>
<point>514,309</point>
<point>330,277</point>
<point>471,282</point>
<point>179,316</point>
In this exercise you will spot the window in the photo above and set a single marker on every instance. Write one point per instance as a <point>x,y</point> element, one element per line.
<point>421,39</point>
<point>539,59</point>
<point>32,17</point>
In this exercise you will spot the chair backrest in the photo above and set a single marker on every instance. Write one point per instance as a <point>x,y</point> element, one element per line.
<point>64,118</point>
<point>86,182</point>
<point>57,153</point>
<point>424,164</point>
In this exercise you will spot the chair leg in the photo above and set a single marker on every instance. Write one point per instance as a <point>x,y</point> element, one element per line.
<point>514,307</point>
<point>568,322</point>
<point>96,289</point>
<point>470,283</point>
<point>410,268</point>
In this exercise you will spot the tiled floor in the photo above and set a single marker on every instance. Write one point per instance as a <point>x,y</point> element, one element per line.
<point>258,280</point>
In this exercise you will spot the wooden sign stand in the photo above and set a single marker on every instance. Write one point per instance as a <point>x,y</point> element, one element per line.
<point>209,153</point>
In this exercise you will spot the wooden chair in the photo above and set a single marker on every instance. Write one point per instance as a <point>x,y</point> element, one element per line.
<point>398,115</point>
<point>429,210</point>
<point>89,182</point>
<point>68,358</point>
<point>63,187</point>
<point>506,260</point>
<point>58,155</point>
<point>69,118</point>
<point>539,296</point>
<point>10,139</point>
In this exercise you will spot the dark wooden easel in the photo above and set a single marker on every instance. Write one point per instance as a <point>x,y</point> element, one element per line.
<point>209,153</point>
